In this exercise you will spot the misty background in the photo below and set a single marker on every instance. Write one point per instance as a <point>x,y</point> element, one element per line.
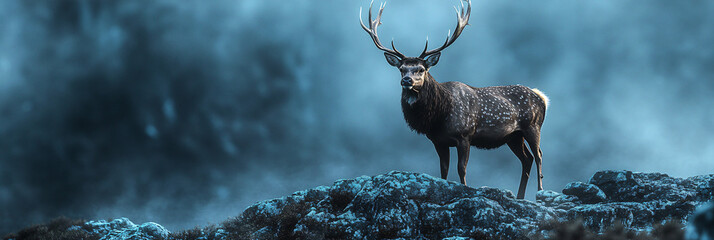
<point>186,112</point>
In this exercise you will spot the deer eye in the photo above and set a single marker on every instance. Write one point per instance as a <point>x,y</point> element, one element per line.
<point>421,70</point>
<point>402,70</point>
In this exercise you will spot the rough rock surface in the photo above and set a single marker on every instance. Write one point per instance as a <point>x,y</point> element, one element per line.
<point>396,205</point>
<point>123,228</point>
<point>418,206</point>
<point>640,200</point>
<point>410,205</point>
<point>585,192</point>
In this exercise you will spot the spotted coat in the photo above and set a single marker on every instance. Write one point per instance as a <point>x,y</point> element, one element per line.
<point>488,116</point>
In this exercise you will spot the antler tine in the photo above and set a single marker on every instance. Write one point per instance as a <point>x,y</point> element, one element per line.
<point>393,48</point>
<point>378,20</point>
<point>372,30</point>
<point>426,46</point>
<point>462,20</point>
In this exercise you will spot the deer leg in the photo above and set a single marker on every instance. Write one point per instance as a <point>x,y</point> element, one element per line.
<point>463,147</point>
<point>443,151</point>
<point>532,136</point>
<point>539,164</point>
<point>519,148</point>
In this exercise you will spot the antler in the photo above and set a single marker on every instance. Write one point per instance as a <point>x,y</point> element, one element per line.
<point>462,21</point>
<point>372,30</point>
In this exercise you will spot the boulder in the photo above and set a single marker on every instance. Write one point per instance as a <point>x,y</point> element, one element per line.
<point>124,229</point>
<point>585,192</point>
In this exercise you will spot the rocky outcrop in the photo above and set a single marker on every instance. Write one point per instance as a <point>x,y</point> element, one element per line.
<point>637,200</point>
<point>585,192</point>
<point>412,205</point>
<point>396,205</point>
<point>117,229</point>
<point>418,206</point>
<point>123,228</point>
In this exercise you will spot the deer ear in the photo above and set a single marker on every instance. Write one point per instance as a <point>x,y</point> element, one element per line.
<point>432,59</point>
<point>392,59</point>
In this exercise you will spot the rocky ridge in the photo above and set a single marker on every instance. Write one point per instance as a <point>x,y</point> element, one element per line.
<point>402,205</point>
<point>413,205</point>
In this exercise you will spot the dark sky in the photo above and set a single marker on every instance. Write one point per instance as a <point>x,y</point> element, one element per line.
<point>186,112</point>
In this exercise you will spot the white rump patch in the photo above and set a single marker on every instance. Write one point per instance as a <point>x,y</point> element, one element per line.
<point>542,96</point>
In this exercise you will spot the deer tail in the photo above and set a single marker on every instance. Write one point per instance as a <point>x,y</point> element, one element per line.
<point>542,96</point>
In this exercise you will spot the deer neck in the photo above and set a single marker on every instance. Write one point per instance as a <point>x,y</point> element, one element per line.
<point>426,108</point>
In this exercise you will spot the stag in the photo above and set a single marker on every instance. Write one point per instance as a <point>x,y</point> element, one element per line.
<point>453,114</point>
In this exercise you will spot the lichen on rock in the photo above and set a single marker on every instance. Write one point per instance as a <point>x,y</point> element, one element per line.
<point>585,192</point>
<point>123,228</point>
<point>413,205</point>
<point>403,205</point>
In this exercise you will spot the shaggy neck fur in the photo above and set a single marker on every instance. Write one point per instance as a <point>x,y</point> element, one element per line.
<point>426,110</point>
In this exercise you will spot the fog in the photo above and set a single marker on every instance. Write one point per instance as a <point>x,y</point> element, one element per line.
<point>186,112</point>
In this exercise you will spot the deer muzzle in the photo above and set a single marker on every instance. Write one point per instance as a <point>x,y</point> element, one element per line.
<point>407,83</point>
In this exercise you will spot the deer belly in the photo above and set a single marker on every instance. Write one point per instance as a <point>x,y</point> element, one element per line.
<point>492,136</point>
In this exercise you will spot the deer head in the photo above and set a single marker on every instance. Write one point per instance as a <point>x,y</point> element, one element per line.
<point>414,69</point>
